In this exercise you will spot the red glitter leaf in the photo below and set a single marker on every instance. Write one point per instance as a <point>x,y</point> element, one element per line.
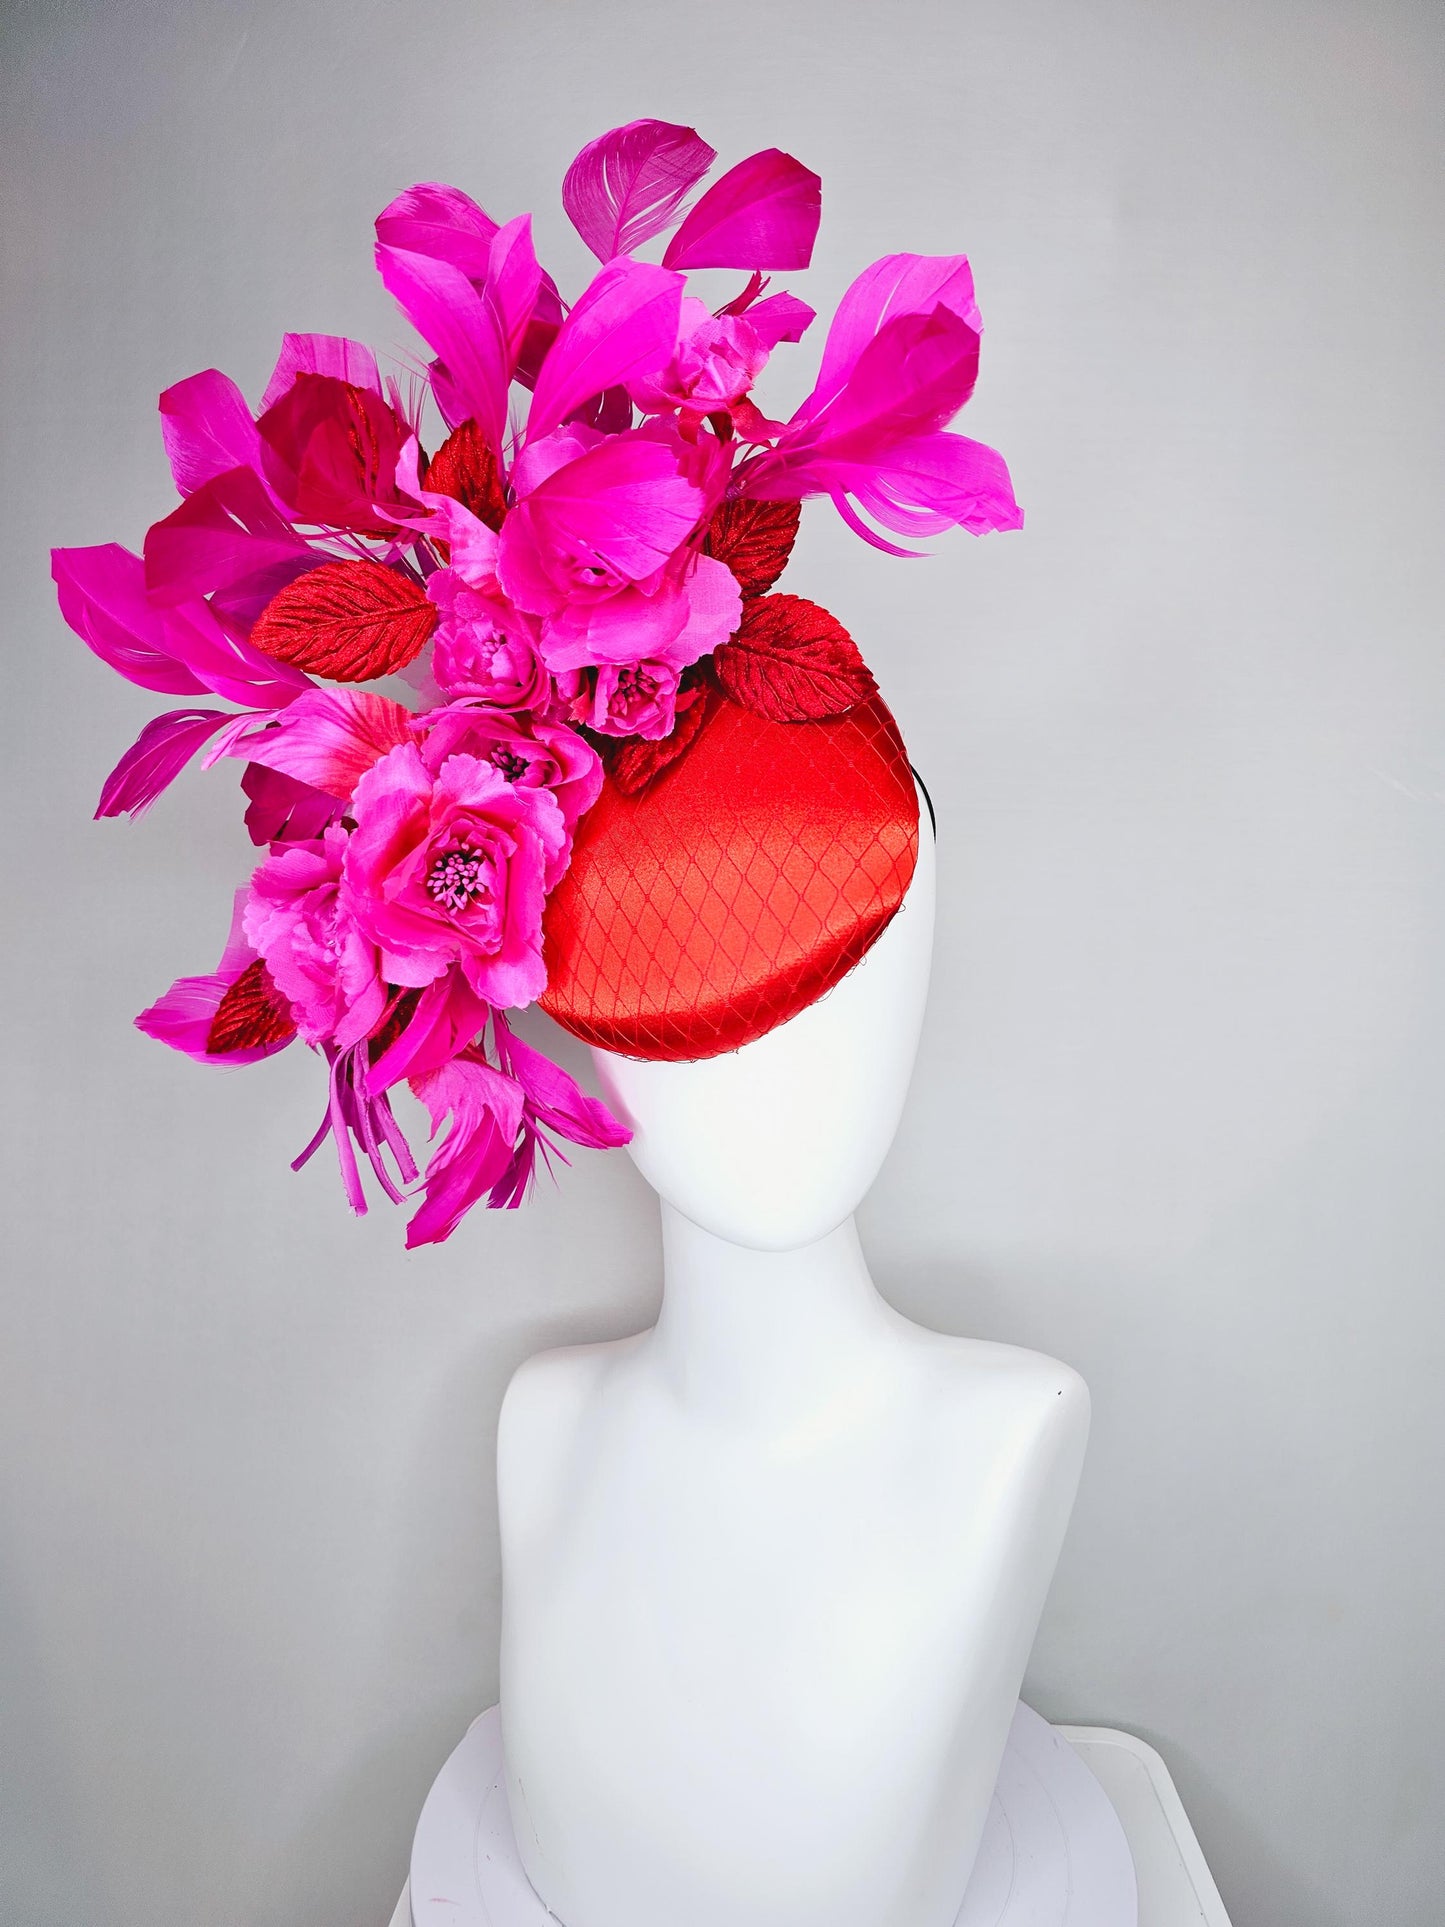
<point>393,1024</point>
<point>634,763</point>
<point>755,540</point>
<point>792,662</point>
<point>465,468</point>
<point>347,620</point>
<point>251,1015</point>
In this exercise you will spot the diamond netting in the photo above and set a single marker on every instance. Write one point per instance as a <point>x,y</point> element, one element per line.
<point>737,889</point>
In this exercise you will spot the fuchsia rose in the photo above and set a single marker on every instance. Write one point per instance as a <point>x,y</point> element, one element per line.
<point>450,868</point>
<point>597,548</point>
<point>685,611</point>
<point>314,949</point>
<point>634,699</point>
<point>533,754</point>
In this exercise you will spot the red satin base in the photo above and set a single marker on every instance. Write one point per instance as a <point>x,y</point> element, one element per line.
<point>737,889</point>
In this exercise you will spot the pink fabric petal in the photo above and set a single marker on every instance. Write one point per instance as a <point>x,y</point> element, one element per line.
<point>207,429</point>
<point>327,738</point>
<point>899,284</point>
<point>622,509</point>
<point>628,184</point>
<point>763,213</point>
<point>449,314</point>
<point>102,596</point>
<point>227,531</point>
<point>156,758</point>
<point>674,621</point>
<point>624,324</point>
<point>183,1017</point>
<point>321,355</point>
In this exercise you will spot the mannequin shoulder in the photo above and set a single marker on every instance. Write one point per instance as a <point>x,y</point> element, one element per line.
<point>1005,1391</point>
<point>546,1405</point>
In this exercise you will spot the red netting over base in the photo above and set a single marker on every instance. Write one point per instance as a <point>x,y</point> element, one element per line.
<point>743,884</point>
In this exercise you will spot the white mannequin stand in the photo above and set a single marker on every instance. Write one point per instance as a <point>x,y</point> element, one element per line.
<point>772,1569</point>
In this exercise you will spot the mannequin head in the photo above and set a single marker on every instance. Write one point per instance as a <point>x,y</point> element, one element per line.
<point>774,1145</point>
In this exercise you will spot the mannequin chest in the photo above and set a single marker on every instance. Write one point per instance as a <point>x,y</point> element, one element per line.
<point>856,1565</point>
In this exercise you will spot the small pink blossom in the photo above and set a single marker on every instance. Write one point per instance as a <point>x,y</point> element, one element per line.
<point>718,359</point>
<point>634,699</point>
<point>314,949</point>
<point>451,868</point>
<point>485,647</point>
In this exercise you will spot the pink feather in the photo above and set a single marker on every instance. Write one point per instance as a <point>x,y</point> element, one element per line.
<point>156,758</point>
<point>763,213</point>
<point>628,184</point>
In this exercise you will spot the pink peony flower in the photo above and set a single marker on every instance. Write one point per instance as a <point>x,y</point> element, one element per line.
<point>318,958</point>
<point>451,868</point>
<point>634,699</point>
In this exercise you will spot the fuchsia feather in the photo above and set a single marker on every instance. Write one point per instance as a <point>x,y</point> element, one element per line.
<point>156,759</point>
<point>624,324</point>
<point>207,429</point>
<point>629,185</point>
<point>763,213</point>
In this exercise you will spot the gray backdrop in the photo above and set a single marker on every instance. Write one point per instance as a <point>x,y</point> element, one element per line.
<point>1177,1117</point>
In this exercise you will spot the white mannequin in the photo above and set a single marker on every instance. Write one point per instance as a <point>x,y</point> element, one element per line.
<point>773,1568</point>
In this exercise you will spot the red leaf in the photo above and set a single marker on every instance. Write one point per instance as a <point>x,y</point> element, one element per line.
<point>792,662</point>
<point>755,539</point>
<point>251,1015</point>
<point>465,468</point>
<point>634,763</point>
<point>347,620</point>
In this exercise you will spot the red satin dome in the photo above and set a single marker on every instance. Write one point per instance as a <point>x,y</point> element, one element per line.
<point>736,889</point>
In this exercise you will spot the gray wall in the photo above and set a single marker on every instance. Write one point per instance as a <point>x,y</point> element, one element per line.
<point>1178,1114</point>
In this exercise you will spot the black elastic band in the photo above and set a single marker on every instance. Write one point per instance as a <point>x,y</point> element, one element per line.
<point>932,813</point>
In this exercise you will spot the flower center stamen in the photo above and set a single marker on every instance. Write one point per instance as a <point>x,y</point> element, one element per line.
<point>509,763</point>
<point>636,685</point>
<point>459,877</point>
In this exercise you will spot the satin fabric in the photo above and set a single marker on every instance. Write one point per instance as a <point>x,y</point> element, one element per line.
<point>737,889</point>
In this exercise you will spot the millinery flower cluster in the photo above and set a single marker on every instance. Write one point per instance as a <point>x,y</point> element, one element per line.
<point>562,540</point>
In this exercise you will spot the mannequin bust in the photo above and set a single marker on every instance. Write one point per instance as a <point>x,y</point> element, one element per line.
<point>772,1568</point>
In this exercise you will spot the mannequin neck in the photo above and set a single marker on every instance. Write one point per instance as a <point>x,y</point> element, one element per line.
<point>768,1336</point>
